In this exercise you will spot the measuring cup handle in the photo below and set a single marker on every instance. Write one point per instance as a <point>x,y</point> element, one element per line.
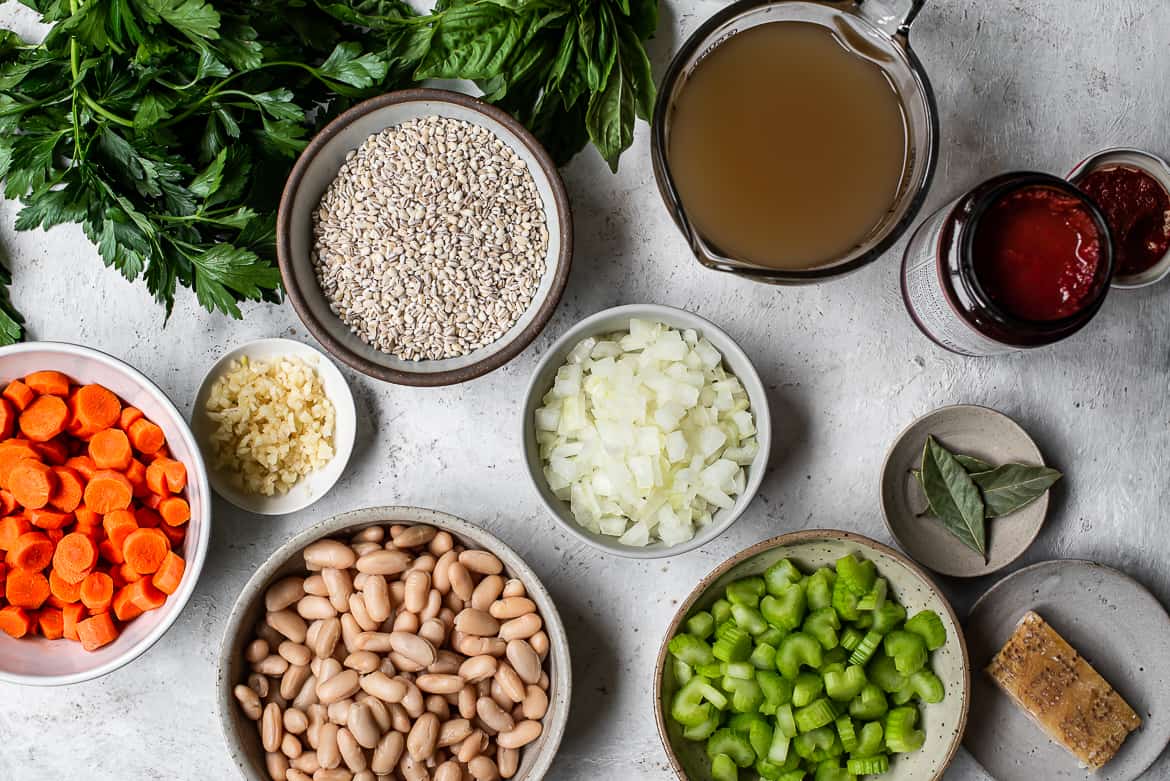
<point>894,17</point>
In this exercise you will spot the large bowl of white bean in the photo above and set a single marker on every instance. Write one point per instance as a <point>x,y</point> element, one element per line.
<point>394,640</point>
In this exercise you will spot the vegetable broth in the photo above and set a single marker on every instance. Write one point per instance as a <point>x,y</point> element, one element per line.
<point>787,149</point>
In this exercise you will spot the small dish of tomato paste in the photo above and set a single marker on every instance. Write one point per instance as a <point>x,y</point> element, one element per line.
<point>1132,190</point>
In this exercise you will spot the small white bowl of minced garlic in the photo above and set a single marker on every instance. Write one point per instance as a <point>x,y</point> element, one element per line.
<point>276,423</point>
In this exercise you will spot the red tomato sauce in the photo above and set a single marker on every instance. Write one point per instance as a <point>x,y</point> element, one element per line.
<point>1137,208</point>
<point>1037,254</point>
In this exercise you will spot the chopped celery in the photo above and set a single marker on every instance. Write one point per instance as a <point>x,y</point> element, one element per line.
<point>806,743</point>
<point>876,596</point>
<point>723,768</point>
<point>866,649</point>
<point>870,704</point>
<point>763,657</point>
<point>823,625</point>
<point>746,695</point>
<point>797,649</point>
<point>749,619</point>
<point>732,644</point>
<point>831,770</point>
<point>927,625</point>
<point>833,657</point>
<point>772,636</point>
<point>712,671</point>
<point>778,749</point>
<point>844,686</point>
<point>690,705</point>
<point>864,619</point>
<point>807,687</point>
<point>870,740</point>
<point>786,610</point>
<point>845,601</point>
<point>739,670</point>
<point>701,625</point>
<point>907,649</point>
<point>777,690</point>
<point>846,732</point>
<point>858,576</point>
<point>815,715</point>
<point>767,770</point>
<point>691,650</point>
<point>760,736</point>
<point>741,723</point>
<point>887,617</point>
<point>884,673</point>
<point>724,741</point>
<point>721,611</point>
<point>785,721</point>
<point>780,575</point>
<point>868,766</point>
<point>927,685</point>
<point>704,729</point>
<point>682,671</point>
<point>793,775</point>
<point>903,695</point>
<point>746,591</point>
<point>819,589</point>
<point>851,638</point>
<point>901,736</point>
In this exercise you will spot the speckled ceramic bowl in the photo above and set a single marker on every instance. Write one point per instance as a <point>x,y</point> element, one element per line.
<point>241,735</point>
<point>943,722</point>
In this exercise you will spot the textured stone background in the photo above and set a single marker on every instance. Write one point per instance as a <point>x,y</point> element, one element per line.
<point>1021,84</point>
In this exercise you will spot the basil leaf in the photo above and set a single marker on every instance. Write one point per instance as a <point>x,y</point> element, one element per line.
<point>953,496</point>
<point>1011,487</point>
<point>972,464</point>
<point>637,64</point>
<point>472,42</point>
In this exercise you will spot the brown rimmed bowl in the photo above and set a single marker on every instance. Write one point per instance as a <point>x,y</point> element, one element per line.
<point>943,722</point>
<point>316,169</point>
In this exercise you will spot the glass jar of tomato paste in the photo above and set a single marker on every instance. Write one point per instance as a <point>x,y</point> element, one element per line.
<point>1022,261</point>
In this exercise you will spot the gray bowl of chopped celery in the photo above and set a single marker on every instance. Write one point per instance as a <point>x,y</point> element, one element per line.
<point>941,721</point>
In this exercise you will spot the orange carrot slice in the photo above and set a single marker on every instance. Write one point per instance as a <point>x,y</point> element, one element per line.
<point>7,419</point>
<point>70,616</point>
<point>12,452</point>
<point>31,483</point>
<point>19,394</point>
<point>110,449</point>
<point>44,418</point>
<point>96,631</point>
<point>51,623</point>
<point>62,589</point>
<point>49,519</point>
<point>15,621</point>
<point>145,550</point>
<point>48,382</point>
<point>96,408</point>
<point>84,466</point>
<point>146,437</point>
<point>97,591</point>
<point>69,490</point>
<point>75,556</point>
<point>124,607</point>
<point>107,491</point>
<point>128,417</point>
<point>26,588</point>
<point>32,551</point>
<point>10,530</point>
<point>174,510</point>
<point>170,574</point>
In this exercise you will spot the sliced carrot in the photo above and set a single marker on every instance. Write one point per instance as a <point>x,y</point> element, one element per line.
<point>75,556</point>
<point>148,518</point>
<point>7,419</point>
<point>96,631</point>
<point>83,464</point>
<point>145,550</point>
<point>7,501</point>
<point>70,615</point>
<point>136,474</point>
<point>10,530</point>
<point>128,417</point>
<point>146,437</point>
<point>110,449</point>
<point>70,487</point>
<point>110,552</point>
<point>62,589</point>
<point>152,501</point>
<point>49,519</point>
<point>15,621</point>
<point>54,535</point>
<point>176,534</point>
<point>44,418</point>
<point>12,452</point>
<point>31,483</point>
<point>124,607</point>
<point>3,577</point>
<point>107,491</point>
<point>54,451</point>
<point>95,408</point>
<point>87,517</point>
<point>51,622</point>
<point>32,551</point>
<point>97,591</point>
<point>166,475</point>
<point>175,510</point>
<point>145,596</point>
<point>26,588</point>
<point>19,394</point>
<point>48,382</point>
<point>119,525</point>
<point>170,574</point>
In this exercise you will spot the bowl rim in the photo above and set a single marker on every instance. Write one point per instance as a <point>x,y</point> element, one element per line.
<point>363,517</point>
<point>342,408</point>
<point>809,535</point>
<point>198,555</point>
<point>508,351</point>
<point>762,410</point>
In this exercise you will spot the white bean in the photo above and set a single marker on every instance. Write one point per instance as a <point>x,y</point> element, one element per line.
<point>441,543</point>
<point>256,650</point>
<point>383,562</point>
<point>329,553</point>
<point>481,561</point>
<point>338,687</point>
<point>295,721</point>
<point>535,703</point>
<point>487,592</point>
<point>508,761</point>
<point>461,582</point>
<point>339,586</point>
<point>293,680</point>
<point>336,774</point>
<point>387,753</point>
<point>272,665</point>
<point>289,624</point>
<point>512,607</point>
<point>283,593</point>
<point>448,771</point>
<point>328,753</point>
<point>524,733</point>
<point>362,661</point>
<point>415,536</point>
<point>351,752</point>
<point>277,765</point>
<point>483,769</point>
<point>453,731</point>
<point>315,585</point>
<point>361,723</point>
<point>383,687</point>
<point>439,684</point>
<point>290,746</point>
<point>376,598</point>
<point>413,647</point>
<point>493,715</point>
<point>521,628</point>
<point>271,727</point>
<point>360,614</point>
<point>314,608</point>
<point>524,661</point>
<point>249,701</point>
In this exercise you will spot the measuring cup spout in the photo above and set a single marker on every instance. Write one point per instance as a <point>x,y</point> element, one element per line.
<point>892,17</point>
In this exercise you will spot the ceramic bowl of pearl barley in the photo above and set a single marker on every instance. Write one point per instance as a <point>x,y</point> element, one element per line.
<point>424,237</point>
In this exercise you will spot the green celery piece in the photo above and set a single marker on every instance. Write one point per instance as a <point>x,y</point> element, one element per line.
<point>778,749</point>
<point>834,658</point>
<point>903,695</point>
<point>777,690</point>
<point>887,617</point>
<point>831,770</point>
<point>690,704</point>
<point>691,650</point>
<point>815,715</point>
<point>845,601</point>
<point>851,638</point>
<point>869,704</point>
<point>867,648</point>
<point>682,671</point>
<point>864,619</point>
<point>807,687</point>
<point>901,736</point>
<point>844,686</point>
<point>823,625</point>
<point>927,625</point>
<point>767,770</point>
<point>806,743</point>
<point>711,671</point>
<point>771,636</point>
<point>763,657</point>
<point>858,576</point>
<point>760,736</point>
<point>793,775</point>
<point>786,610</point>
<point>724,741</point>
<point>819,588</point>
<point>781,575</point>
<point>723,768</point>
<point>739,670</point>
<point>846,732</point>
<point>705,728</point>
<point>732,644</point>
<point>928,686</point>
<point>701,625</point>
<point>876,596</point>
<point>798,649</point>
<point>746,695</point>
<point>868,766</point>
<point>741,723</point>
<point>908,651</point>
<point>749,619</point>
<point>884,672</point>
<point>786,721</point>
<point>721,611</point>
<point>746,591</point>
<point>870,740</point>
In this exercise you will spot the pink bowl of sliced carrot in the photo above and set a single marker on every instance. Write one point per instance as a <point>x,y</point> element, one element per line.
<point>105,513</point>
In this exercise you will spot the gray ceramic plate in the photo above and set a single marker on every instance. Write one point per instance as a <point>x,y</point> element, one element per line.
<point>1115,623</point>
<point>974,431</point>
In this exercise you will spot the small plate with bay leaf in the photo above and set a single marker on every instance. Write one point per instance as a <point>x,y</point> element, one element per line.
<point>964,490</point>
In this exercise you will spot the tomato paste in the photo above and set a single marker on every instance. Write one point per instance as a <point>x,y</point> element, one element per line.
<point>1137,208</point>
<point>1036,254</point>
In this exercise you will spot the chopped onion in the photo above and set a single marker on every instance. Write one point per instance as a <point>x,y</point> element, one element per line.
<point>645,434</point>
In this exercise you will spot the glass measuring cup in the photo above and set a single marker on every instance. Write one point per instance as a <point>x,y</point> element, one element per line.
<point>877,30</point>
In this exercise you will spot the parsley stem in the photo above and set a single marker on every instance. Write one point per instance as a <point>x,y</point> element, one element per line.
<point>79,91</point>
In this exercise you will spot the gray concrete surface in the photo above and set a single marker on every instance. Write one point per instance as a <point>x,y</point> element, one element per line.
<point>1021,84</point>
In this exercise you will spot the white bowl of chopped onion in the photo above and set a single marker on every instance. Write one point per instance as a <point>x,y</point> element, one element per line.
<point>275,420</point>
<point>646,431</point>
